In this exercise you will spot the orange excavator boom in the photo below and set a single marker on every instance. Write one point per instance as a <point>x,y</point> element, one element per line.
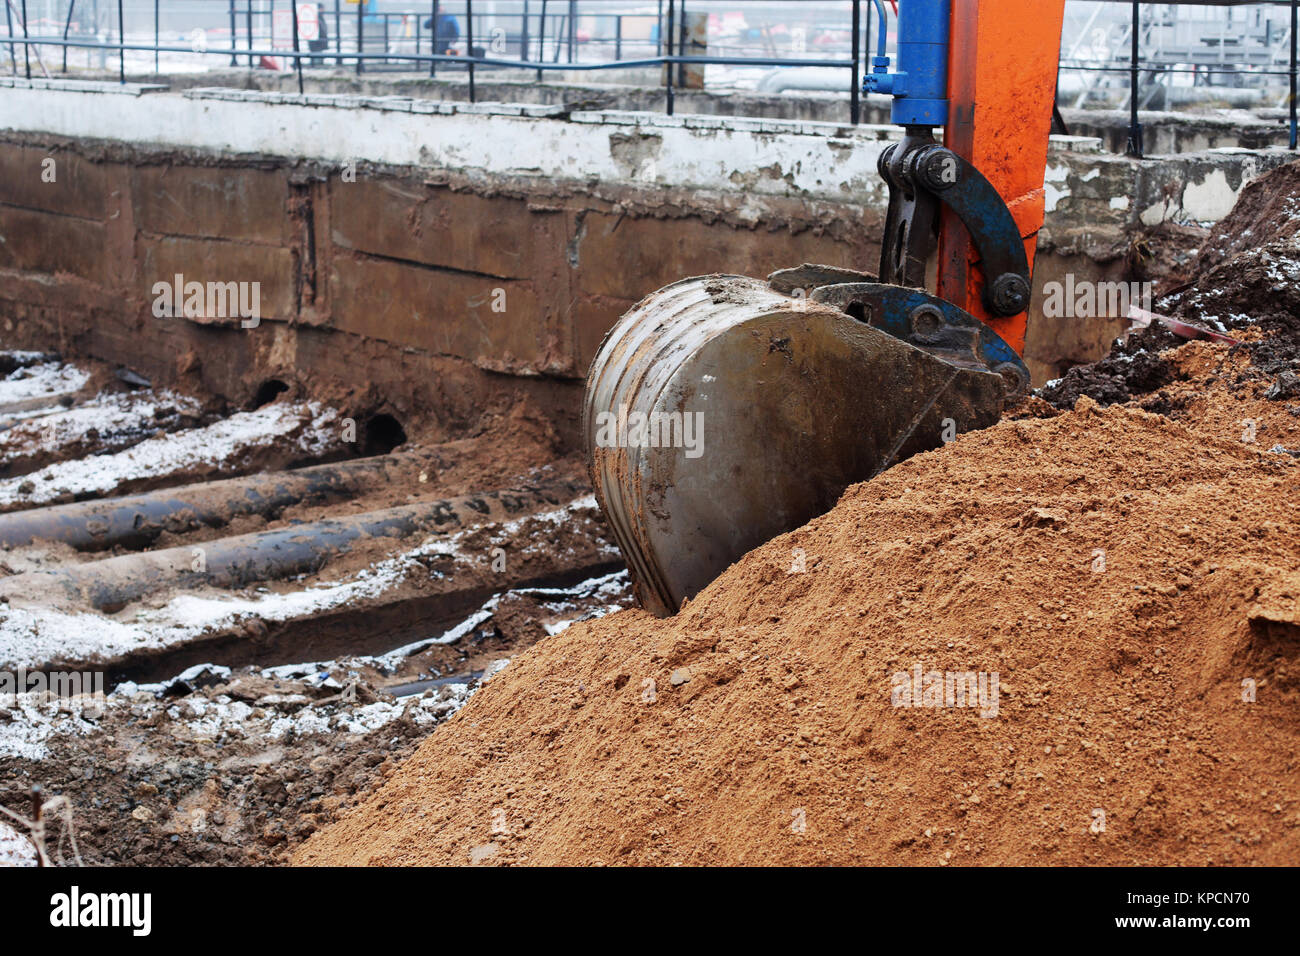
<point>1002,66</point>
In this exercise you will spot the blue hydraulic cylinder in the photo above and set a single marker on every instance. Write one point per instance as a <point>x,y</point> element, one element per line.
<point>920,85</point>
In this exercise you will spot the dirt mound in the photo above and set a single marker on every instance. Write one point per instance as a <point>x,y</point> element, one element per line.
<point>1072,638</point>
<point>1267,211</point>
<point>1113,591</point>
<point>1248,271</point>
<point>1134,367</point>
<point>1247,284</point>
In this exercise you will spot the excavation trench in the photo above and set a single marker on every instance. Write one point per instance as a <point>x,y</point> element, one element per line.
<point>365,628</point>
<point>281,550</point>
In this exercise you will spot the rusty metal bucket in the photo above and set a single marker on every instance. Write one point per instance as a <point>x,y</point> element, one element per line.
<point>721,413</point>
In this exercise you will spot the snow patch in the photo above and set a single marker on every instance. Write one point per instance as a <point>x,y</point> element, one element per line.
<point>38,381</point>
<point>219,443</point>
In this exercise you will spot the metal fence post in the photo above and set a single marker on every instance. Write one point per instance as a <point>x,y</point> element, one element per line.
<point>13,53</point>
<point>1295,23</point>
<point>121,41</point>
<point>618,36</point>
<point>1134,127</point>
<point>155,37</point>
<point>866,39</point>
<point>683,33</point>
<point>541,41</point>
<point>248,26</point>
<point>433,36</point>
<point>234,60</point>
<point>469,43</point>
<point>573,10</point>
<point>361,34</point>
<point>668,67</point>
<point>523,34</point>
<point>297,60</point>
<point>66,27</point>
<point>27,55</point>
<point>855,109</point>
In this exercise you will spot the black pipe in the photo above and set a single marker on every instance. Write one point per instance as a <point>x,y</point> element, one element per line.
<point>121,33</point>
<point>361,32</point>
<point>855,82</point>
<point>111,584</point>
<point>1134,127</point>
<point>411,688</point>
<point>137,521</point>
<point>66,27</point>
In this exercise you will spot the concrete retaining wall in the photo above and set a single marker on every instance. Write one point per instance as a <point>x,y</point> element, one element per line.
<point>449,245</point>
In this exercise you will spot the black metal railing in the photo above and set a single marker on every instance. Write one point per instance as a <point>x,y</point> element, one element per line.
<point>369,29</point>
<point>545,37</point>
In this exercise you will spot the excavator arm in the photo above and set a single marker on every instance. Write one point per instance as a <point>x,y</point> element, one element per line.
<point>1002,65</point>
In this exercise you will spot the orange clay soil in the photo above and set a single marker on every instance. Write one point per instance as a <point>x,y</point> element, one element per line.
<point>1121,684</point>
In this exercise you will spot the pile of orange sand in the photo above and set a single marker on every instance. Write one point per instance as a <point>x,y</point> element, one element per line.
<point>1072,638</point>
<point>1131,580</point>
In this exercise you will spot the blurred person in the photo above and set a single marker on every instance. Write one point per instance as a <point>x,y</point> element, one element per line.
<point>447,34</point>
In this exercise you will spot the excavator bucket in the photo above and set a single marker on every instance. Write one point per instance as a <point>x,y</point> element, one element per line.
<point>722,411</point>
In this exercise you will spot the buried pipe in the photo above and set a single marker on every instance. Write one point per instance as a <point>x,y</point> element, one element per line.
<point>411,688</point>
<point>11,413</point>
<point>111,584</point>
<point>136,521</point>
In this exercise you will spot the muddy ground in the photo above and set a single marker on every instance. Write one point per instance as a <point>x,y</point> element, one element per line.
<point>269,708</point>
<point>222,767</point>
<point>298,718</point>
